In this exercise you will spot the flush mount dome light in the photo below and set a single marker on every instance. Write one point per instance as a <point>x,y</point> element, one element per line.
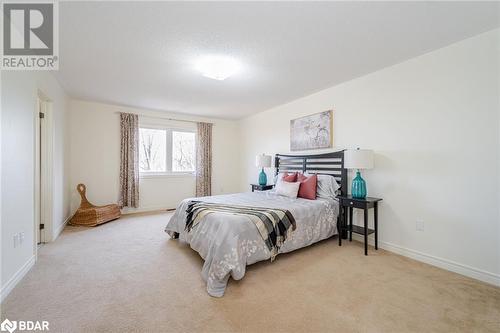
<point>217,67</point>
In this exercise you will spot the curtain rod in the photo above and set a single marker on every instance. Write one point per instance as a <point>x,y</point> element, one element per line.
<point>165,118</point>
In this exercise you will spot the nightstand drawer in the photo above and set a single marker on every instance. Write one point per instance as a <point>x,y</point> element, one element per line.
<point>256,187</point>
<point>353,203</point>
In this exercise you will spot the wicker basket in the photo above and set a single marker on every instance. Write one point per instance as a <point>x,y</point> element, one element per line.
<point>90,215</point>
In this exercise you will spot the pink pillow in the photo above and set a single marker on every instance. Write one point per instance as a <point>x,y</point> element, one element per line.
<point>307,189</point>
<point>290,178</point>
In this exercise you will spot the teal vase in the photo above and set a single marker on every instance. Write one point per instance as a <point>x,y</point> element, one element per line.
<point>358,189</point>
<point>262,178</point>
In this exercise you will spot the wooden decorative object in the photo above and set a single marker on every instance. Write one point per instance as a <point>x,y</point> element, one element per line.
<point>90,215</point>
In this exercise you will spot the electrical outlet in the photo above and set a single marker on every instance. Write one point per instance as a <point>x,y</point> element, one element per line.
<point>419,225</point>
<point>16,240</point>
<point>21,238</point>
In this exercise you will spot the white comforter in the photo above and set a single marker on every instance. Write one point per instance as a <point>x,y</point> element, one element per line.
<point>229,243</point>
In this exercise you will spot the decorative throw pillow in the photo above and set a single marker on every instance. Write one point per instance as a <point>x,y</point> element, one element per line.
<point>308,185</point>
<point>291,178</point>
<point>287,189</point>
<point>279,177</point>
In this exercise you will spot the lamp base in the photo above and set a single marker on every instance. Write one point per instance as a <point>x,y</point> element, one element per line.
<point>358,188</point>
<point>262,178</point>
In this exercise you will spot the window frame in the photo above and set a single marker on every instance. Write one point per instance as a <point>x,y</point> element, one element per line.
<point>169,129</point>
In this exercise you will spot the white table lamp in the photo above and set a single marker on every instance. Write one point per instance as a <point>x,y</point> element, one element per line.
<point>263,161</point>
<point>358,159</point>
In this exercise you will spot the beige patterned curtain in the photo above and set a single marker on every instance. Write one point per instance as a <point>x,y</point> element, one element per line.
<point>204,160</point>
<point>129,160</point>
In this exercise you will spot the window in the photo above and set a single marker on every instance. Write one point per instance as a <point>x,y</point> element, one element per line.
<point>183,151</point>
<point>164,151</point>
<point>153,150</point>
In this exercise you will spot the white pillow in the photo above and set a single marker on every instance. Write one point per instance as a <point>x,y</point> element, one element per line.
<point>287,189</point>
<point>327,186</point>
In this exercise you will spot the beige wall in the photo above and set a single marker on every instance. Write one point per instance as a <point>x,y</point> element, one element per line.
<point>433,123</point>
<point>95,157</point>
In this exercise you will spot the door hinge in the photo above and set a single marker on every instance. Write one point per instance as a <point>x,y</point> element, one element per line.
<point>42,115</point>
<point>42,226</point>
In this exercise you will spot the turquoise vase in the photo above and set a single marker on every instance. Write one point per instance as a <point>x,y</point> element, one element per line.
<point>262,178</point>
<point>358,189</point>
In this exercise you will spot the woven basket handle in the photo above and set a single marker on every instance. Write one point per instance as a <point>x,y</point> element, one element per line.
<point>82,189</point>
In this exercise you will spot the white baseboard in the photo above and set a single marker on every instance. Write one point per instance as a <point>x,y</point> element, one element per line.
<point>16,278</point>
<point>60,228</point>
<point>446,264</point>
<point>128,211</point>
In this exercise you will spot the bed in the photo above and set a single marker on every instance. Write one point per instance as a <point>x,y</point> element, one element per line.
<point>228,243</point>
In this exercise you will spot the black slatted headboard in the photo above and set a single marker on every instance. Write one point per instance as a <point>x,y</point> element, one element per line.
<point>325,164</point>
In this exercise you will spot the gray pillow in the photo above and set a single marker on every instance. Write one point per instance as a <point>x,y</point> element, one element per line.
<point>327,186</point>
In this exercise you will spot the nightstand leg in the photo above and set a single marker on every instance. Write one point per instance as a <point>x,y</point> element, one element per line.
<point>340,224</point>
<point>366,231</point>
<point>375,211</point>
<point>350,223</point>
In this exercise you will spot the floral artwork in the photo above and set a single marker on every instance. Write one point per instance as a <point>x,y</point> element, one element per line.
<point>312,132</point>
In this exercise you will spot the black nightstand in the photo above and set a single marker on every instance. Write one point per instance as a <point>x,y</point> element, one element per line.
<point>256,187</point>
<point>347,203</point>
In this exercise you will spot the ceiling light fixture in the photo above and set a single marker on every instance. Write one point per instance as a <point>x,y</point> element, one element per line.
<point>217,67</point>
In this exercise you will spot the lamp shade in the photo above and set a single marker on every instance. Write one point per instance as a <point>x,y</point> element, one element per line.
<point>263,161</point>
<point>358,159</point>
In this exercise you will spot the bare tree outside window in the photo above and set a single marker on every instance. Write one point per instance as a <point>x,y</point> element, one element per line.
<point>157,145</point>
<point>152,150</point>
<point>183,151</point>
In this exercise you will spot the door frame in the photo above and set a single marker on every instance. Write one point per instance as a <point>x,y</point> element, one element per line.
<point>43,194</point>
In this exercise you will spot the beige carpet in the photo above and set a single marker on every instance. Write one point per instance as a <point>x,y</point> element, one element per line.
<point>127,276</point>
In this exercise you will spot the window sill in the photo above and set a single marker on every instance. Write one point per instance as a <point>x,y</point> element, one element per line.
<point>167,175</point>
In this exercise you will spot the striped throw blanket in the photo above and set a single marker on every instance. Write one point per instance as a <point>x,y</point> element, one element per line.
<point>273,224</point>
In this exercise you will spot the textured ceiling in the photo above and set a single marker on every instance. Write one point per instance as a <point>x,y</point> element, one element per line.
<point>142,54</point>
